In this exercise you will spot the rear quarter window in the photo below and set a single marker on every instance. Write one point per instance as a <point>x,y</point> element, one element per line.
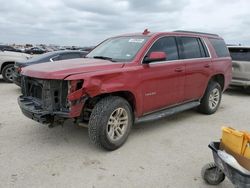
<point>219,47</point>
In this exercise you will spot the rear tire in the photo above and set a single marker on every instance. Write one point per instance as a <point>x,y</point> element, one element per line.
<point>110,122</point>
<point>212,175</point>
<point>211,99</point>
<point>7,72</point>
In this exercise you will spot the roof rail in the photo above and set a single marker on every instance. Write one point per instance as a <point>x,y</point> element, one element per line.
<point>183,31</point>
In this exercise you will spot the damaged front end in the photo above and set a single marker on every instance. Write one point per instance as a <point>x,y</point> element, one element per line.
<point>51,101</point>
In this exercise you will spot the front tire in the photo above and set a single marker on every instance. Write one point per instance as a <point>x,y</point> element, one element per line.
<point>211,99</point>
<point>110,122</point>
<point>7,72</point>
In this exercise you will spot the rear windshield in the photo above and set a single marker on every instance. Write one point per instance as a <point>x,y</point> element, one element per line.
<point>240,54</point>
<point>220,47</point>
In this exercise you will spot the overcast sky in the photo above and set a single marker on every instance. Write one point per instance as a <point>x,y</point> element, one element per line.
<point>88,22</point>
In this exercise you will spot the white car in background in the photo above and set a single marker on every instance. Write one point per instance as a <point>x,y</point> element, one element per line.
<point>241,66</point>
<point>7,60</point>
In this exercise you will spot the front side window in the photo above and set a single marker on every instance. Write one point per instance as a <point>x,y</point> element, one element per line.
<point>119,48</point>
<point>192,48</point>
<point>167,45</point>
<point>240,54</point>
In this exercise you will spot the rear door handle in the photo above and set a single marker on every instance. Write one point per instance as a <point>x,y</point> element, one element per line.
<point>207,66</point>
<point>179,69</point>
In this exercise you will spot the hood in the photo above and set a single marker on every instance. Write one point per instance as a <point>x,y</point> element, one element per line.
<point>62,69</point>
<point>16,54</point>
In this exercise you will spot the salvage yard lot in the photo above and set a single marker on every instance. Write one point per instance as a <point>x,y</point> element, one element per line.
<point>165,153</point>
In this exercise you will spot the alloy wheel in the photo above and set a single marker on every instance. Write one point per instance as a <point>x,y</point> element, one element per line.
<point>117,124</point>
<point>214,98</point>
<point>9,73</point>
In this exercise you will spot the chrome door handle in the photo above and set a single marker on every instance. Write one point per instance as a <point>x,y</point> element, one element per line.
<point>179,69</point>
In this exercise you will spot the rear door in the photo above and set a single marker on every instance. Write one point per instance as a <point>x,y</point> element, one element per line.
<point>163,81</point>
<point>197,61</point>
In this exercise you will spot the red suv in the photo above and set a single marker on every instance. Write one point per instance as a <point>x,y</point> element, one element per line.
<point>127,79</point>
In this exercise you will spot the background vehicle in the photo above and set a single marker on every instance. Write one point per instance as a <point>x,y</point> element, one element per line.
<point>7,60</point>
<point>35,50</point>
<point>129,78</point>
<point>47,57</point>
<point>241,66</point>
<point>9,48</point>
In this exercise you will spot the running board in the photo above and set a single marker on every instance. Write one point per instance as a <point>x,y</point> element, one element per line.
<point>167,112</point>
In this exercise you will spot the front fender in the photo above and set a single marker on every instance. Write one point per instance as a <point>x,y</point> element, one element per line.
<point>110,82</point>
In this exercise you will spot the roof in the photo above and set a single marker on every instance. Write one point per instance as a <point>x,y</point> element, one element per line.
<point>178,32</point>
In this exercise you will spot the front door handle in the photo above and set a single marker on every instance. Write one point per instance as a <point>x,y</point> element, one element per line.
<point>179,69</point>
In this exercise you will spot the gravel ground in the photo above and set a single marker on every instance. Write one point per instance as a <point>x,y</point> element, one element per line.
<point>166,153</point>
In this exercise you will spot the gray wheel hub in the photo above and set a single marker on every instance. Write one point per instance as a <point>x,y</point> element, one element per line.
<point>9,73</point>
<point>117,124</point>
<point>214,98</point>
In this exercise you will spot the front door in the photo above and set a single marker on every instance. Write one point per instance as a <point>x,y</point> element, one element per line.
<point>163,81</point>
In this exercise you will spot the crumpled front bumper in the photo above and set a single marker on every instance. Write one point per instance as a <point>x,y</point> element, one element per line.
<point>33,110</point>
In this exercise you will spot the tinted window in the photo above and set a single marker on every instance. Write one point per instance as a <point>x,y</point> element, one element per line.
<point>167,45</point>
<point>192,48</point>
<point>43,58</point>
<point>220,47</point>
<point>240,54</point>
<point>7,48</point>
<point>69,56</point>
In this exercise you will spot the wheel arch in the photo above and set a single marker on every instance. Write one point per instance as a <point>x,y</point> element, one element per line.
<point>219,78</point>
<point>127,95</point>
<point>6,63</point>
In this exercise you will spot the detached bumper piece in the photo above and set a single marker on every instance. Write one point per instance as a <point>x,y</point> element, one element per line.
<point>32,109</point>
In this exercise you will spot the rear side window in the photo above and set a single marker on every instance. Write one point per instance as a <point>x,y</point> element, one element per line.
<point>193,48</point>
<point>240,54</point>
<point>220,47</point>
<point>167,45</point>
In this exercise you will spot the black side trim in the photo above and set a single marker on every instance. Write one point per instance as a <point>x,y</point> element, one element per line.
<point>167,112</point>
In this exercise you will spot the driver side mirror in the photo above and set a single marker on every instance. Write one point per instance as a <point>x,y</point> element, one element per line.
<point>155,56</point>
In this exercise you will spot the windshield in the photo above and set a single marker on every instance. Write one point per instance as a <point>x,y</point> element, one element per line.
<point>240,54</point>
<point>118,49</point>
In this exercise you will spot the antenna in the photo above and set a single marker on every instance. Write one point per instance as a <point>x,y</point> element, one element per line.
<point>145,32</point>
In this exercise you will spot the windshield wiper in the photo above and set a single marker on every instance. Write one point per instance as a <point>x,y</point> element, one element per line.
<point>105,58</point>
